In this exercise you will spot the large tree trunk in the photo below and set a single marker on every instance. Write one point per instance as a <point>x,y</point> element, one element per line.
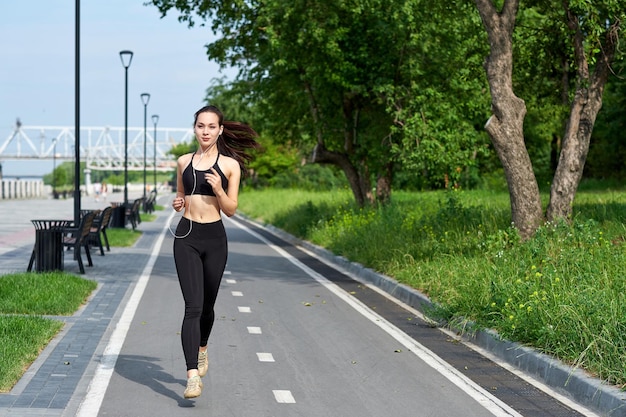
<point>505,126</point>
<point>359,184</point>
<point>383,184</point>
<point>323,156</point>
<point>351,113</point>
<point>583,113</point>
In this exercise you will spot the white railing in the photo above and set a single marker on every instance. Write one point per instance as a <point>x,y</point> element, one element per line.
<point>102,148</point>
<point>18,189</point>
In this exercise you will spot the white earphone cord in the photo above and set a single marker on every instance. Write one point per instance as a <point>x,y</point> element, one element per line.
<point>169,226</point>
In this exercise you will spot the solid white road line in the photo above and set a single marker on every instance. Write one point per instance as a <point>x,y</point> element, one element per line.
<point>532,381</point>
<point>475,391</point>
<point>98,386</point>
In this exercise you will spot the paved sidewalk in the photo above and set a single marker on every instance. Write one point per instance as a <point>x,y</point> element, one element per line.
<point>57,381</point>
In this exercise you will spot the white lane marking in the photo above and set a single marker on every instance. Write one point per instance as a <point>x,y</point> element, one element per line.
<point>98,386</point>
<point>244,309</point>
<point>254,330</point>
<point>475,391</point>
<point>265,357</point>
<point>493,358</point>
<point>283,396</point>
<point>237,293</point>
<point>227,272</point>
<point>231,281</point>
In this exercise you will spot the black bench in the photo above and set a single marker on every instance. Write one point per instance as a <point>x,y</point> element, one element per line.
<point>132,214</point>
<point>98,230</point>
<point>77,237</point>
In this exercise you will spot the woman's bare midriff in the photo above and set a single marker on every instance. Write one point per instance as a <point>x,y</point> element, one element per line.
<point>202,208</point>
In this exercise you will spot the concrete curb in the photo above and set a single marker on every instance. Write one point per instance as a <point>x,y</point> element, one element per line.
<point>571,382</point>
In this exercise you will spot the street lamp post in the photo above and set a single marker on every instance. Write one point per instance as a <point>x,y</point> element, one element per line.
<point>145,98</point>
<point>126,57</point>
<point>54,168</point>
<point>155,120</point>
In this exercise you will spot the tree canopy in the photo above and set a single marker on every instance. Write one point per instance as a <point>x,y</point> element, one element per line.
<point>423,94</point>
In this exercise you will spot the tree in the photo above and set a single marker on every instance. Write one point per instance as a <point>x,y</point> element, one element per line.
<point>607,152</point>
<point>594,37</point>
<point>315,70</point>
<point>506,125</point>
<point>440,108</point>
<point>591,34</point>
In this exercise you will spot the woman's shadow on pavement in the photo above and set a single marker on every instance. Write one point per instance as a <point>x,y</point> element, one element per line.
<point>143,370</point>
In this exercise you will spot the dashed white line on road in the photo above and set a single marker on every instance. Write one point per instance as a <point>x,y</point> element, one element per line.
<point>237,293</point>
<point>254,330</point>
<point>265,357</point>
<point>231,281</point>
<point>244,309</point>
<point>496,406</point>
<point>284,396</point>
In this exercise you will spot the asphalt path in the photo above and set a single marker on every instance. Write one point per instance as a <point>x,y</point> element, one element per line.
<point>287,342</point>
<point>295,335</point>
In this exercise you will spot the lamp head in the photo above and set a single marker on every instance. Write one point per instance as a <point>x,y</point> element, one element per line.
<point>155,118</point>
<point>145,98</point>
<point>126,57</point>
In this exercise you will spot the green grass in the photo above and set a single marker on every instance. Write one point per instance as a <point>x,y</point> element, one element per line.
<point>21,340</point>
<point>51,293</point>
<point>124,238</point>
<point>562,292</point>
<point>147,217</point>
<point>24,298</point>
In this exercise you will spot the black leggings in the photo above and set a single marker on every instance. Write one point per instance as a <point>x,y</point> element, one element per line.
<point>200,260</point>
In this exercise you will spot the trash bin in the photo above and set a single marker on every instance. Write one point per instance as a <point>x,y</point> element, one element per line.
<point>48,251</point>
<point>118,216</point>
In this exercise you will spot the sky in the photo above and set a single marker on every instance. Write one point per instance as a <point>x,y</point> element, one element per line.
<point>37,65</point>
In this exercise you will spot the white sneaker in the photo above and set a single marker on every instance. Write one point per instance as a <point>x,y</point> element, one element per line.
<point>203,362</point>
<point>194,387</point>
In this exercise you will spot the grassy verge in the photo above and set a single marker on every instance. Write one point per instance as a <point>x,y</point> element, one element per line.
<point>126,237</point>
<point>24,299</point>
<point>21,340</point>
<point>123,238</point>
<point>147,217</point>
<point>562,292</point>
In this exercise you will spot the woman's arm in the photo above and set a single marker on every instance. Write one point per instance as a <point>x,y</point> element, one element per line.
<point>179,200</point>
<point>229,199</point>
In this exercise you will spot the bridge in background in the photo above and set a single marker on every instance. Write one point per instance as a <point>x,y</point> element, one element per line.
<point>102,148</point>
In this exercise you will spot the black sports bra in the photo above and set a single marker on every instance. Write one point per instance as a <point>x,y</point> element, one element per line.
<point>201,186</point>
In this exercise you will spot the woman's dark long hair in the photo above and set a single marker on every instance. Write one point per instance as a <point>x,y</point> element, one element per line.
<point>236,138</point>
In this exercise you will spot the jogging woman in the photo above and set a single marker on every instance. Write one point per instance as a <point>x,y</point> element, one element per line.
<point>207,186</point>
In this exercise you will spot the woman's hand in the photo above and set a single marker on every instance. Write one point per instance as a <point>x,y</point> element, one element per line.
<point>214,180</point>
<point>178,203</point>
